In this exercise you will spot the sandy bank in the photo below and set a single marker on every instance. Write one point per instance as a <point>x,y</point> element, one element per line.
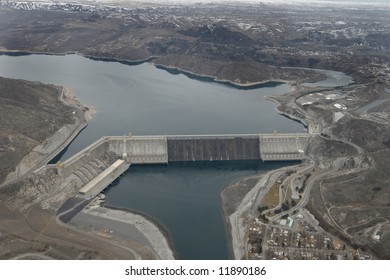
<point>238,220</point>
<point>68,98</point>
<point>128,226</point>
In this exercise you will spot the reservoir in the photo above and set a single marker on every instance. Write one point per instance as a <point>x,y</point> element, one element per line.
<point>334,79</point>
<point>371,105</point>
<point>144,100</point>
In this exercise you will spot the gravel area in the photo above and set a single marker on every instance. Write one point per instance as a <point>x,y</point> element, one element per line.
<point>238,220</point>
<point>126,225</point>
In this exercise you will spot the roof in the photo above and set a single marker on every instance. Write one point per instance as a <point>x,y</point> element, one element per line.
<point>88,187</point>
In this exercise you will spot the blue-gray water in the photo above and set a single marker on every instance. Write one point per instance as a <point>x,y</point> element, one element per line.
<point>184,198</point>
<point>145,100</point>
<point>371,105</point>
<point>334,78</point>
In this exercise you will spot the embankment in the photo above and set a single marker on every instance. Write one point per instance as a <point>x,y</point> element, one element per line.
<point>44,152</point>
<point>128,226</point>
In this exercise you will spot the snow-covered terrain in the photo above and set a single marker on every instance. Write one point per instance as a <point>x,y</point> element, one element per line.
<point>119,6</point>
<point>171,2</point>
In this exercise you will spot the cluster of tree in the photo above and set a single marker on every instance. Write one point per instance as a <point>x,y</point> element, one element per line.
<point>293,203</point>
<point>290,172</point>
<point>262,208</point>
<point>263,218</point>
<point>302,189</point>
<point>257,248</point>
<point>285,206</point>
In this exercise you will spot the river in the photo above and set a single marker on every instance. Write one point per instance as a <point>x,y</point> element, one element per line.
<point>145,100</point>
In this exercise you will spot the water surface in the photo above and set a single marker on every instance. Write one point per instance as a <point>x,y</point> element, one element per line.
<point>334,79</point>
<point>184,198</point>
<point>145,100</point>
<point>371,105</point>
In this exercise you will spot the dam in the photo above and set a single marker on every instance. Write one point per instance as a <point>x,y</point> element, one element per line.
<point>99,164</point>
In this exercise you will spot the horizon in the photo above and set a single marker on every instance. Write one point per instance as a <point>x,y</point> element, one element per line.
<point>211,1</point>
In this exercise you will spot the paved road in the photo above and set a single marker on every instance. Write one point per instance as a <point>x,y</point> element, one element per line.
<point>32,256</point>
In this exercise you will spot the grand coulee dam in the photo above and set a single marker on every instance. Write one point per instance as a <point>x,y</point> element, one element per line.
<point>94,168</point>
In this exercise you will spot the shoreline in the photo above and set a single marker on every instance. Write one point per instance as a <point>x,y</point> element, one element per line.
<point>148,218</point>
<point>232,221</point>
<point>287,115</point>
<point>214,79</point>
<point>127,225</point>
<point>68,98</point>
<point>171,70</point>
<point>224,211</point>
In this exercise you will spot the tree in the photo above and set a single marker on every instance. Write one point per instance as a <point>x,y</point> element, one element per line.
<point>293,203</point>
<point>262,208</point>
<point>259,248</point>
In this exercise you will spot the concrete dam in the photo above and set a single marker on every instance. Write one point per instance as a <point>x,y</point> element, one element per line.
<point>99,164</point>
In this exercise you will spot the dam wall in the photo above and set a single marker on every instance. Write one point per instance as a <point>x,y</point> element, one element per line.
<point>213,147</point>
<point>94,166</point>
<point>99,164</point>
<point>287,146</point>
<point>93,152</point>
<point>140,149</point>
<point>133,149</point>
<point>165,149</point>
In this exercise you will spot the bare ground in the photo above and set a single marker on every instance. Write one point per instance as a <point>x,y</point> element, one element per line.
<point>24,107</point>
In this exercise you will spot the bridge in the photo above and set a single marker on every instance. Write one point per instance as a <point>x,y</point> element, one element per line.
<point>99,164</point>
